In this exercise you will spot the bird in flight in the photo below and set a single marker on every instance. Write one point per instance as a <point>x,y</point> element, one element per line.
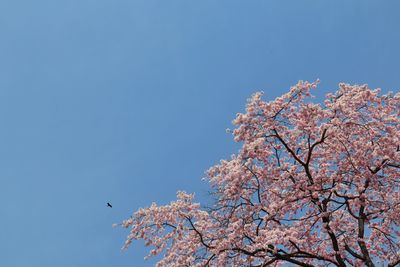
<point>109,205</point>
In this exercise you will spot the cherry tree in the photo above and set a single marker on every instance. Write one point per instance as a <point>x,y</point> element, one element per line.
<point>314,184</point>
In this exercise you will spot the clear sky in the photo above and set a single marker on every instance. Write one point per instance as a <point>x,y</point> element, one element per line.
<point>127,101</point>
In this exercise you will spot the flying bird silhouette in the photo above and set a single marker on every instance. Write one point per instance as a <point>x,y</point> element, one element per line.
<point>109,205</point>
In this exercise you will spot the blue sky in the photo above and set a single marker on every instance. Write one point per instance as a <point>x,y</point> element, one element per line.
<point>128,101</point>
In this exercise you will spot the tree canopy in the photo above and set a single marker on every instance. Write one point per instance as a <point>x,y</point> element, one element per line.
<point>314,184</point>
